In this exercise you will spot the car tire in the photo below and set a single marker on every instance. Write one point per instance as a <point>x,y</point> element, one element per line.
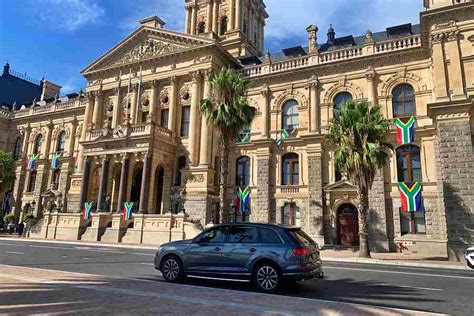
<point>172,268</point>
<point>266,277</point>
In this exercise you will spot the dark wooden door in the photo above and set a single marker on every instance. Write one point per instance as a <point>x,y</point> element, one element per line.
<point>348,229</point>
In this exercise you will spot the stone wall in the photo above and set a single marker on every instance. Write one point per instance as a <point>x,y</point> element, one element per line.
<point>377,215</point>
<point>261,210</point>
<point>455,160</point>
<point>315,198</point>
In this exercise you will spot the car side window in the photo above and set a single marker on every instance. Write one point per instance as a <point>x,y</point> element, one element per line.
<point>243,234</point>
<point>268,236</point>
<point>213,236</point>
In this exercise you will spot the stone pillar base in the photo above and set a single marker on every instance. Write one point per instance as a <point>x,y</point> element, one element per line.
<point>117,231</point>
<point>74,194</point>
<point>199,199</point>
<point>100,221</point>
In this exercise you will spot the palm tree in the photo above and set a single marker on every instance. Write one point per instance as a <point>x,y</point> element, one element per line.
<point>358,132</point>
<point>7,171</point>
<point>228,111</point>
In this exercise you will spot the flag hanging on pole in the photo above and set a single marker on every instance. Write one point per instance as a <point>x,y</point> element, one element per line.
<point>243,139</point>
<point>86,212</point>
<point>244,200</point>
<point>32,161</point>
<point>55,161</point>
<point>411,197</point>
<point>405,131</point>
<point>284,135</point>
<point>127,210</point>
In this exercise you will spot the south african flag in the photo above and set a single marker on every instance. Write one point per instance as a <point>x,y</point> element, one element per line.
<point>411,197</point>
<point>405,131</point>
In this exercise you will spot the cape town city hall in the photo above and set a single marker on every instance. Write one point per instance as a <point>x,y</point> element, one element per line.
<point>135,136</point>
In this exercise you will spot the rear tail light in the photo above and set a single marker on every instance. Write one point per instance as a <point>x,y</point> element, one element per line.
<point>302,251</point>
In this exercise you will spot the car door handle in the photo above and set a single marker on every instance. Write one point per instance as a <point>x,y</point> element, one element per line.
<point>252,249</point>
<point>217,249</point>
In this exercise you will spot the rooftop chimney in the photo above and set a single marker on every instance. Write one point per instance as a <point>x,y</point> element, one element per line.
<point>312,38</point>
<point>331,35</point>
<point>6,69</point>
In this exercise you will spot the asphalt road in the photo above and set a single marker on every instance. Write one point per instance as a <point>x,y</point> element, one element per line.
<point>407,288</point>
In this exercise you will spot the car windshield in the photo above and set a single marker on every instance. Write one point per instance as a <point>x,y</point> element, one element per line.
<point>301,237</point>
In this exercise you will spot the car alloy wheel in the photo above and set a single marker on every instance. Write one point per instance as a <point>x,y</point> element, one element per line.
<point>267,278</point>
<point>171,269</point>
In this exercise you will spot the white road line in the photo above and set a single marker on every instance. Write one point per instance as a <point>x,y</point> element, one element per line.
<point>142,254</point>
<point>401,272</point>
<point>147,263</point>
<point>15,252</point>
<point>409,287</point>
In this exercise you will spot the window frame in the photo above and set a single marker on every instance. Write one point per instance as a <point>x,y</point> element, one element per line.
<point>184,130</point>
<point>406,153</point>
<point>412,222</point>
<point>228,241</point>
<point>287,116</point>
<point>17,148</point>
<point>38,144</point>
<point>180,167</point>
<point>32,181</point>
<point>61,142</point>
<point>403,101</point>
<point>347,97</point>
<point>260,229</point>
<point>163,116</point>
<point>223,22</point>
<point>291,159</point>
<point>246,163</point>
<point>197,239</point>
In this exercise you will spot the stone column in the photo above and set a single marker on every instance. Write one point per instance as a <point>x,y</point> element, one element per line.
<point>153,103</point>
<point>439,68</point>
<point>209,15</point>
<point>85,183</point>
<point>144,186</point>
<point>117,106</point>
<point>47,145</point>
<point>193,19</point>
<point>315,194</point>
<point>123,182</point>
<point>251,25</point>
<point>134,107</point>
<point>85,128</point>
<point>231,14</point>
<point>238,14</point>
<point>204,159</point>
<point>455,177</point>
<point>215,16</point>
<point>314,86</point>
<point>193,144</point>
<point>104,177</point>
<point>261,211</point>
<point>377,216</point>
<point>370,75</point>
<point>187,28</point>
<point>97,116</point>
<point>26,137</point>
<point>266,111</point>
<point>173,100</point>
<point>456,80</point>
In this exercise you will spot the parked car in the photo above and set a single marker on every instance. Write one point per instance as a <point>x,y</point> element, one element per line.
<point>264,254</point>
<point>470,257</point>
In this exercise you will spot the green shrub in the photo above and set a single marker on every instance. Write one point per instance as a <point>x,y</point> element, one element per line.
<point>9,218</point>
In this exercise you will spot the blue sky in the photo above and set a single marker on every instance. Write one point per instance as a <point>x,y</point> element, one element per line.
<point>58,38</point>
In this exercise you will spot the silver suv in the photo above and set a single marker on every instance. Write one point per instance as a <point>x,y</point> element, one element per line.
<point>264,254</point>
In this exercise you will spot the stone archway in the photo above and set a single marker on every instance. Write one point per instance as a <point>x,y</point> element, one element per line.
<point>347,225</point>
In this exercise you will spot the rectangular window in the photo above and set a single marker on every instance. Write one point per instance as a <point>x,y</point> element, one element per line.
<point>164,117</point>
<point>412,223</point>
<point>242,234</point>
<point>185,119</point>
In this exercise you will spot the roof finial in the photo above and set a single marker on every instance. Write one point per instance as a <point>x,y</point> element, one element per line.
<point>331,35</point>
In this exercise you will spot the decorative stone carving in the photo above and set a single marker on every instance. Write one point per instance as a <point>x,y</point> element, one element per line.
<point>414,80</point>
<point>147,49</point>
<point>289,95</point>
<point>342,86</point>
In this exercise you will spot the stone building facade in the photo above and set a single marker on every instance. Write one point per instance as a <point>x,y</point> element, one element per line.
<point>136,133</point>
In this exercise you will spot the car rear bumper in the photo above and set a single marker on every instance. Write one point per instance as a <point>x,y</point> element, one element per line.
<point>303,276</point>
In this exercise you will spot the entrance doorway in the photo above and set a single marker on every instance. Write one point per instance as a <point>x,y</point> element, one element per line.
<point>347,225</point>
<point>291,215</point>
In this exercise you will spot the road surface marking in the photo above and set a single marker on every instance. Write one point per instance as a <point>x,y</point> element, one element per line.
<point>147,263</point>
<point>6,307</point>
<point>15,253</point>
<point>204,301</point>
<point>400,272</point>
<point>142,254</point>
<point>409,287</point>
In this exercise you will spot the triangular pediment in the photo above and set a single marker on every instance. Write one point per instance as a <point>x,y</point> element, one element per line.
<point>144,44</point>
<point>341,185</point>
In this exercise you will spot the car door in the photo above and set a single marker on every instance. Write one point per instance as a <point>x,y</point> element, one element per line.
<point>204,256</point>
<point>241,247</point>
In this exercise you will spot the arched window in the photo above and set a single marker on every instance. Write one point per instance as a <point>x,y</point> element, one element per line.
<point>408,164</point>
<point>201,27</point>
<point>32,181</point>
<point>290,119</point>
<point>38,144</point>
<point>61,142</point>
<point>340,100</point>
<point>17,148</point>
<point>242,174</point>
<point>223,29</point>
<point>56,177</point>
<point>403,101</point>
<point>290,169</point>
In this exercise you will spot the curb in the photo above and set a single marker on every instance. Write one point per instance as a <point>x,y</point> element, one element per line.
<point>396,263</point>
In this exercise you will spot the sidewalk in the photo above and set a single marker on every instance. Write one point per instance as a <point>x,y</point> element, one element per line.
<point>392,258</point>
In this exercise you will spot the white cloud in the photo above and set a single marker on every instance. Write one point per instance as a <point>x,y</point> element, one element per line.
<point>69,15</point>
